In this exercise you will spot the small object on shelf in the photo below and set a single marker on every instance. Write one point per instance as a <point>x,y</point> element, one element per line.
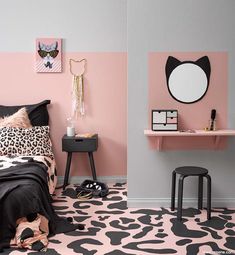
<point>213,121</point>
<point>85,135</point>
<point>188,131</point>
<point>164,120</point>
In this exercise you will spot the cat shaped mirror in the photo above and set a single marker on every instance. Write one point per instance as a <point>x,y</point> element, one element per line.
<point>187,81</point>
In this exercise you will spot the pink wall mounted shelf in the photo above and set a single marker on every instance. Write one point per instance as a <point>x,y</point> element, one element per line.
<point>216,135</point>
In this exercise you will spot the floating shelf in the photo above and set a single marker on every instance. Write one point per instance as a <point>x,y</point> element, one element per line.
<point>196,133</point>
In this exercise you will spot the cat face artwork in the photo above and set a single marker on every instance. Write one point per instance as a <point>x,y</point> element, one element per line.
<point>187,81</point>
<point>48,53</point>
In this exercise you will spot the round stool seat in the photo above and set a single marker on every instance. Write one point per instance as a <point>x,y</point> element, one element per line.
<point>191,170</point>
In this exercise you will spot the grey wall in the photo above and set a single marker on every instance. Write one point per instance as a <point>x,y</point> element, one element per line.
<point>182,25</point>
<point>86,25</point>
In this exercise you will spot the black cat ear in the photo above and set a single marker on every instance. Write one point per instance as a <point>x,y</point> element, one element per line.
<point>171,64</point>
<point>204,63</point>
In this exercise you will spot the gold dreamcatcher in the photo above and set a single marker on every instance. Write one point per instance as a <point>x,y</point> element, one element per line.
<point>78,105</point>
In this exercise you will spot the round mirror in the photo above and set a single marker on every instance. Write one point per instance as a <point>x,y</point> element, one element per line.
<point>187,81</point>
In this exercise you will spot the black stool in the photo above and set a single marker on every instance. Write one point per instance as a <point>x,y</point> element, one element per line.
<point>186,171</point>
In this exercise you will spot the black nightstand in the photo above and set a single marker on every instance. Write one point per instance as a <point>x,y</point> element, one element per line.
<point>72,144</point>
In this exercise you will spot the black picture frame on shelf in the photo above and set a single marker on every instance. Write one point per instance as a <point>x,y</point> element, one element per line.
<point>164,120</point>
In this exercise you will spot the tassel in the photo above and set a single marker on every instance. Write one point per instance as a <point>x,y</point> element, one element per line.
<point>78,107</point>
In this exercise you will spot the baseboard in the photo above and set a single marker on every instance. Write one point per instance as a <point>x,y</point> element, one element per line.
<point>187,202</point>
<point>105,179</point>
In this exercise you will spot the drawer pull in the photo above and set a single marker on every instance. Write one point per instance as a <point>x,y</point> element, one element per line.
<point>78,140</point>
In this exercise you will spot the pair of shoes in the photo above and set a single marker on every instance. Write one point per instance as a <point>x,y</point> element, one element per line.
<point>84,194</point>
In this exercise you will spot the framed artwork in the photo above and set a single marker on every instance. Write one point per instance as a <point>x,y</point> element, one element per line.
<point>48,55</point>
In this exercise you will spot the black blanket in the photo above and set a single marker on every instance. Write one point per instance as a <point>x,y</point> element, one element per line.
<point>23,191</point>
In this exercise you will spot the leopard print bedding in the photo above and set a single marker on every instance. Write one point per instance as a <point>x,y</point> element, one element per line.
<point>9,161</point>
<point>111,228</point>
<point>33,141</point>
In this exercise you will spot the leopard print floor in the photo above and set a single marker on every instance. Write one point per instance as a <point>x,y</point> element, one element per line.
<point>113,229</point>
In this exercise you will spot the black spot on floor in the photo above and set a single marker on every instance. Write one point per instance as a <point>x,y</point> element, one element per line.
<point>230,232</point>
<point>116,224</point>
<point>109,212</point>
<point>76,246</point>
<point>226,217</point>
<point>103,218</point>
<point>113,192</point>
<point>122,205</point>
<point>143,233</point>
<point>116,236</point>
<point>69,192</point>
<point>230,243</point>
<point>215,223</point>
<point>88,232</point>
<point>183,242</point>
<point>230,225</point>
<point>114,198</point>
<point>137,246</point>
<point>81,212</point>
<point>147,220</point>
<point>86,204</point>
<point>180,229</point>
<point>126,220</point>
<point>81,218</point>
<point>98,224</point>
<point>118,252</point>
<point>213,233</point>
<point>147,212</point>
<point>119,184</point>
<point>190,212</point>
<point>193,249</point>
<point>161,235</point>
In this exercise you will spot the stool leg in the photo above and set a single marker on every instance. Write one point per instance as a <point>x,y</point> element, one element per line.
<point>173,191</point>
<point>200,192</point>
<point>208,196</point>
<point>180,197</point>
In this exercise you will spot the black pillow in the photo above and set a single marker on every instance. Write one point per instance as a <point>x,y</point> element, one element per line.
<point>38,113</point>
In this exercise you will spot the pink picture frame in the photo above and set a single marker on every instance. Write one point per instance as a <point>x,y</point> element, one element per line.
<point>48,55</point>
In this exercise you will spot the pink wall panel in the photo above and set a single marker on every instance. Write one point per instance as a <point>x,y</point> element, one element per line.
<point>105,102</point>
<point>196,115</point>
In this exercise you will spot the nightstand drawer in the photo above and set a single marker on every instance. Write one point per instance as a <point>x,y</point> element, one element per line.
<point>79,144</point>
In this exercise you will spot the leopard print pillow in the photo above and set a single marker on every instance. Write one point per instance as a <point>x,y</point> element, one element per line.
<point>33,141</point>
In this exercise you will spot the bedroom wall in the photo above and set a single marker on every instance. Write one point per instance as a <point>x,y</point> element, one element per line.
<point>95,30</point>
<point>175,26</point>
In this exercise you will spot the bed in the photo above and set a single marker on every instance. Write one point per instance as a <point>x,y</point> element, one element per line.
<point>27,178</point>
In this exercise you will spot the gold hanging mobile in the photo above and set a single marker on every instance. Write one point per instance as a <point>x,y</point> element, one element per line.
<point>78,107</point>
